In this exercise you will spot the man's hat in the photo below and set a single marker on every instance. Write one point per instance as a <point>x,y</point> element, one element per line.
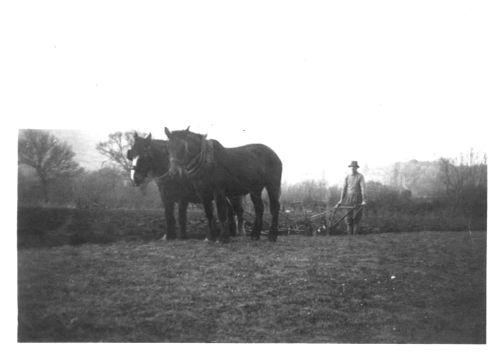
<point>354,164</point>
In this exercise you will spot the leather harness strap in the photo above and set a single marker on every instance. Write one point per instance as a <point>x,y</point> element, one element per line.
<point>206,156</point>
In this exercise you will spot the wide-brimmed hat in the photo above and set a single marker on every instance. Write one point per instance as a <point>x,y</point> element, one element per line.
<point>354,164</point>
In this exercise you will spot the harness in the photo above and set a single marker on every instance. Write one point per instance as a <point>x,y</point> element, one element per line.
<point>202,159</point>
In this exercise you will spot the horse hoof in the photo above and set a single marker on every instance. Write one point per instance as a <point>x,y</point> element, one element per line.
<point>164,237</point>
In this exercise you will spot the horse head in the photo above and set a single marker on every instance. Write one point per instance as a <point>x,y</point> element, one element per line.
<point>142,161</point>
<point>185,149</point>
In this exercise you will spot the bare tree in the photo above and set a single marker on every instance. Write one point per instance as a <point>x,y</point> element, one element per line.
<point>116,147</point>
<point>465,181</point>
<point>51,158</point>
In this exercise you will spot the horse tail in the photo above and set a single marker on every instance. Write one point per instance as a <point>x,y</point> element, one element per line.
<point>274,184</point>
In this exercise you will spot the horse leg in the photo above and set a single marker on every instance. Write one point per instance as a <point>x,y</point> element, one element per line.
<point>170,220</point>
<point>168,206</point>
<point>230,219</point>
<point>259,212</point>
<point>221,202</point>
<point>274,205</point>
<point>238,209</point>
<point>183,204</point>
<point>209,213</point>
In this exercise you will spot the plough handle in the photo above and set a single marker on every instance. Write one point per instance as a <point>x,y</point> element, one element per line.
<point>351,210</point>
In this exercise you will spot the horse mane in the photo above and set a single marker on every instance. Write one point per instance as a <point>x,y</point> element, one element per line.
<point>185,134</point>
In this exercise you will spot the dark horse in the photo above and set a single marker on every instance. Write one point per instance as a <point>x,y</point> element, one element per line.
<point>217,173</point>
<point>151,158</point>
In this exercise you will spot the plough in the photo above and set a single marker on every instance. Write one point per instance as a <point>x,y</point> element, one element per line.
<point>331,224</point>
<point>330,214</point>
<point>302,226</point>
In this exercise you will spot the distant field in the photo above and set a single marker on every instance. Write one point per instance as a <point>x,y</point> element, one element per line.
<point>427,287</point>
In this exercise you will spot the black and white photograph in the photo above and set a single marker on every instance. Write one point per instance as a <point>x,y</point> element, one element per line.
<point>278,172</point>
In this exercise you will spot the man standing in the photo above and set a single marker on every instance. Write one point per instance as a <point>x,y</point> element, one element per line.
<point>353,194</point>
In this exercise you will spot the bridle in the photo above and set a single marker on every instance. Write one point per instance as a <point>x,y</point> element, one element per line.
<point>133,167</point>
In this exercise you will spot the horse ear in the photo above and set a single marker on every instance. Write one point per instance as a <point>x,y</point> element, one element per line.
<point>188,128</point>
<point>148,137</point>
<point>167,132</point>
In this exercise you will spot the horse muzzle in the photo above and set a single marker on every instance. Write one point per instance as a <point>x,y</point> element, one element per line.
<point>137,180</point>
<point>175,168</point>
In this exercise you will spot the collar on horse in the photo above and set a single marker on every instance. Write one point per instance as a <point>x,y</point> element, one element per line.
<point>204,158</point>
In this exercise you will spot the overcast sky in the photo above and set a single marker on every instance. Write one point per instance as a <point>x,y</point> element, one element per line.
<point>322,83</point>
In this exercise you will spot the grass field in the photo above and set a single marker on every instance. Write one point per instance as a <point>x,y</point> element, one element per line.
<point>425,287</point>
